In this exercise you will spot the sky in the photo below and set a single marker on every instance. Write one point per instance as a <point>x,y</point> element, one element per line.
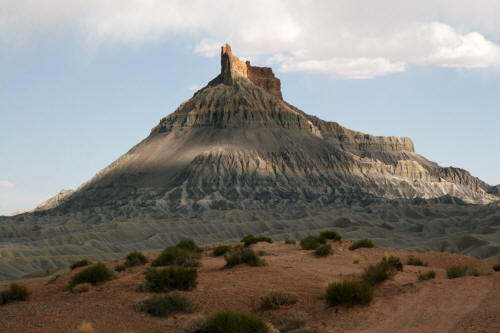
<point>83,81</point>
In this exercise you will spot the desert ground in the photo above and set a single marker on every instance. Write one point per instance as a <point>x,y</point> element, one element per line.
<point>401,304</point>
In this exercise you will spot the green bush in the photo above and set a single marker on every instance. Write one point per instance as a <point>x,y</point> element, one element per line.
<point>361,243</point>
<point>426,276</point>
<point>375,274</point>
<point>94,274</point>
<point>330,234</point>
<point>290,241</point>
<point>275,299</point>
<point>457,271</point>
<point>221,250</point>
<point>348,293</point>
<point>79,263</point>
<point>164,306</point>
<point>177,256</point>
<point>243,256</point>
<point>415,262</point>
<point>135,258</point>
<point>15,292</point>
<point>190,245</point>
<point>396,263</point>
<point>231,322</point>
<point>171,278</point>
<point>311,242</point>
<point>323,250</point>
<point>251,239</point>
<point>496,267</point>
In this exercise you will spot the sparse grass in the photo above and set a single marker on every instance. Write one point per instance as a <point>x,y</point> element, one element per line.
<point>275,299</point>
<point>79,263</point>
<point>15,292</point>
<point>311,242</point>
<point>361,243</point>
<point>457,271</point>
<point>251,239</point>
<point>330,234</point>
<point>290,241</point>
<point>348,293</point>
<point>85,327</point>
<point>395,262</point>
<point>323,250</point>
<point>243,256</point>
<point>415,262</point>
<point>94,274</point>
<point>376,274</point>
<point>171,278</point>
<point>231,322</point>
<point>221,250</point>
<point>164,306</point>
<point>178,256</point>
<point>293,320</point>
<point>426,276</point>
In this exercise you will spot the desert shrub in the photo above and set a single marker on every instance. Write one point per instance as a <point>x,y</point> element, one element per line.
<point>81,288</point>
<point>93,274</point>
<point>243,256</point>
<point>171,278</point>
<point>395,262</point>
<point>190,245</point>
<point>251,239</point>
<point>79,263</point>
<point>361,243</point>
<point>323,250</point>
<point>275,299</point>
<point>311,242</point>
<point>426,276</point>
<point>178,256</point>
<point>292,321</point>
<point>457,271</point>
<point>85,327</point>
<point>375,274</point>
<point>415,262</point>
<point>221,250</point>
<point>348,293</point>
<point>135,258</point>
<point>15,292</point>
<point>120,268</point>
<point>164,306</point>
<point>195,325</point>
<point>330,234</point>
<point>290,241</point>
<point>231,322</point>
<point>496,267</point>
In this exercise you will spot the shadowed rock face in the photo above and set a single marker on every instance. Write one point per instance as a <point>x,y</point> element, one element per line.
<point>237,159</point>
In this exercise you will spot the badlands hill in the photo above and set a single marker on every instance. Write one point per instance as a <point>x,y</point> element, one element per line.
<point>401,304</point>
<point>237,159</point>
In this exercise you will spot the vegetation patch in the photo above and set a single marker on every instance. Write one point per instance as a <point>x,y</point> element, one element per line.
<point>323,250</point>
<point>292,321</point>
<point>348,293</point>
<point>415,262</point>
<point>171,278</point>
<point>395,262</point>
<point>496,267</point>
<point>330,234</point>
<point>311,242</point>
<point>251,239</point>
<point>178,256</point>
<point>275,299</point>
<point>376,274</point>
<point>132,259</point>
<point>290,241</point>
<point>164,305</point>
<point>94,274</point>
<point>79,263</point>
<point>190,245</point>
<point>243,256</point>
<point>232,322</point>
<point>426,276</point>
<point>361,243</point>
<point>15,292</point>
<point>221,250</point>
<point>457,271</point>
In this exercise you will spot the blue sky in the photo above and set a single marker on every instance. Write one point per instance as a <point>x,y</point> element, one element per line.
<point>81,83</point>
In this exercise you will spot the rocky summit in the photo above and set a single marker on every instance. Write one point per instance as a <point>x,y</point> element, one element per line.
<point>237,159</point>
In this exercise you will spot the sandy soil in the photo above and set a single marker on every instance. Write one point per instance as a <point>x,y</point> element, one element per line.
<point>403,304</point>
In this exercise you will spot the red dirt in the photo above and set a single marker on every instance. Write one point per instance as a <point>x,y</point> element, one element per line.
<point>403,304</point>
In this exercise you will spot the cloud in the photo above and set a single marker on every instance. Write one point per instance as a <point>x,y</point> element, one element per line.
<point>346,39</point>
<point>195,87</point>
<point>6,183</point>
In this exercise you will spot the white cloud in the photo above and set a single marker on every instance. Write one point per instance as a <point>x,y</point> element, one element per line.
<point>346,39</point>
<point>6,183</point>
